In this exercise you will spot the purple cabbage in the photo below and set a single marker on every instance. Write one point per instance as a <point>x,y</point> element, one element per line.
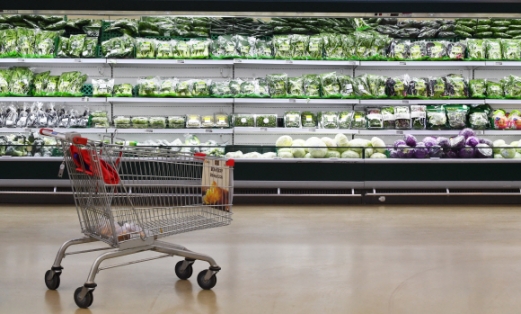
<point>421,151</point>
<point>472,141</point>
<point>396,153</point>
<point>410,140</point>
<point>457,142</point>
<point>435,151</point>
<point>466,152</point>
<point>406,151</point>
<point>486,141</point>
<point>430,141</point>
<point>451,155</point>
<point>484,151</point>
<point>444,143</point>
<point>467,133</point>
<point>398,143</point>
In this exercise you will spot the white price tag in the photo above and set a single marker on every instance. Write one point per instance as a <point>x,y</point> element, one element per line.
<point>264,129</point>
<point>28,130</point>
<point>292,100</point>
<point>399,132</point>
<point>21,60</point>
<point>180,61</point>
<point>238,60</point>
<point>85,99</point>
<point>479,132</point>
<point>405,101</point>
<point>112,61</point>
<point>312,129</point>
<point>149,131</point>
<point>352,63</point>
<point>209,131</point>
<point>289,61</point>
<point>403,63</point>
<point>499,63</point>
<point>77,60</point>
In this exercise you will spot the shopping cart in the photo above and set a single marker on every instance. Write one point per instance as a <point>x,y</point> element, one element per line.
<point>129,197</point>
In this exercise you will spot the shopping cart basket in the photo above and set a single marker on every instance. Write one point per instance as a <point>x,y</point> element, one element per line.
<point>129,197</point>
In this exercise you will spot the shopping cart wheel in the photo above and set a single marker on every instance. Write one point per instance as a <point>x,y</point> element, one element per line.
<point>206,284</point>
<point>86,301</point>
<point>183,274</point>
<point>54,283</point>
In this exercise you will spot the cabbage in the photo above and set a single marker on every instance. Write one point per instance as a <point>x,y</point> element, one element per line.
<point>430,141</point>
<point>378,144</point>
<point>444,143</point>
<point>287,150</point>
<point>284,141</point>
<point>514,144</point>
<point>451,155</point>
<point>435,151</point>
<point>398,143</point>
<point>298,151</point>
<point>517,156</point>
<point>420,151</point>
<point>457,142</point>
<point>308,155</point>
<point>350,154</point>
<point>507,152</point>
<point>466,152</point>
<point>395,153</point>
<point>299,142</point>
<point>472,141</point>
<point>518,149</point>
<point>467,133</point>
<point>497,145</point>
<point>498,156</point>
<point>378,156</point>
<point>483,151</point>
<point>406,151</point>
<point>357,145</point>
<point>410,140</point>
<point>285,155</point>
<point>332,154</point>
<point>330,143</point>
<point>486,141</point>
<point>368,152</point>
<point>341,140</point>
<point>269,155</point>
<point>316,147</point>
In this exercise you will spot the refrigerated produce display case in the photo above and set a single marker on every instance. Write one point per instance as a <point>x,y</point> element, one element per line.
<point>345,106</point>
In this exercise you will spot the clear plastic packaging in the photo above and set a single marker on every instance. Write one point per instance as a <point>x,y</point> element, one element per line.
<point>245,46</point>
<point>292,119</point>
<point>123,90</point>
<point>358,121</point>
<point>145,48</point>
<point>199,49</point>
<point>436,117</point>
<point>99,119</point>
<point>311,85</point>
<point>402,117</point>
<point>139,122</point>
<point>457,116</point>
<point>193,121</point>
<point>176,122</point>
<point>168,87</point>
<point>163,49</point>
<point>201,88</point>
<point>278,85</point>
<point>52,115</point>
<point>244,120</point>
<point>374,118</point>
<point>157,122</point>
<point>344,119</point>
<point>328,120</point>
<point>266,120</point>
<point>180,49</point>
<point>102,87</point>
<point>220,89</point>
<point>63,118</point>
<point>149,87</point>
<point>389,118</point>
<point>41,117</point>
<point>22,116</point>
<point>221,120</point>
<point>207,121</point>
<point>122,122</point>
<point>295,87</point>
<point>308,119</point>
<point>418,117</point>
<point>263,49</point>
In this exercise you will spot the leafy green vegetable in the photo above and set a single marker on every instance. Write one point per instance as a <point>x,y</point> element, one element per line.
<point>477,88</point>
<point>245,46</point>
<point>361,87</point>
<point>308,119</point>
<point>199,49</point>
<point>263,49</point>
<point>346,83</point>
<point>222,120</point>
<point>224,47</point>
<point>512,87</point>
<point>176,122</point>
<point>315,47</point>
<point>184,88</point>
<point>494,90</point>
<point>266,120</point>
<point>118,47</point>
<point>436,117</point>
<point>277,85</point>
<point>235,86</point>
<point>145,48</point>
<point>5,78</point>
<point>436,87</point>
<point>396,87</point>
<point>363,43</point>
<point>478,117</point>
<point>358,121</point>
<point>148,87</point>
<point>25,41</point>
<point>90,47</point>
<point>456,86</point>
<point>418,50</point>
<point>374,118</point>
<point>437,50</point>
<point>402,117</point>
<point>168,87</point>
<point>157,122</point>
<point>399,50</point>
<point>511,49</point>
<point>76,43</point>
<point>418,117</point>
<point>344,119</point>
<point>329,86</point>
<point>164,49</point>
<point>333,47</point>
<point>123,90</point>
<point>102,87</point>
<point>44,43</point>
<point>40,83</point>
<point>295,87</point>
<point>70,83</point>
<point>62,49</point>
<point>456,51</point>
<point>418,88</point>
<point>282,47</point>
<point>328,120</point>
<point>201,88</point>
<point>139,122</point>
<point>20,81</point>
<point>311,85</point>
<point>493,48</point>
<point>476,49</point>
<point>243,120</point>
<point>122,122</point>
<point>376,85</point>
<point>220,89</point>
<point>299,46</point>
<point>457,115</point>
<point>292,119</point>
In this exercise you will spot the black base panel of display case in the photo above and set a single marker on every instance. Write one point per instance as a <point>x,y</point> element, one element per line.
<point>444,199</point>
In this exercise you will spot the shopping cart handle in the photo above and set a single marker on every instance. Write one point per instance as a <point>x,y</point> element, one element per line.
<point>45,131</point>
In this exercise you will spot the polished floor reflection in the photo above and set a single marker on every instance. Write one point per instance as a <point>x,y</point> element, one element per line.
<point>286,259</point>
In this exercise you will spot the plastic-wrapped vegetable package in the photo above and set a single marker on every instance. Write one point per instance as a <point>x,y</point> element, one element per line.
<point>224,47</point>
<point>358,121</point>
<point>83,119</point>
<point>76,43</point>
<point>437,50</point>
<point>176,122</point>
<point>201,88</point>
<point>402,118</point>
<point>25,40</point>
<point>31,116</point>
<point>70,83</point>
<point>63,118</point>
<point>396,87</point>
<point>263,49</point>
<point>145,48</point>
<point>11,116</point>
<point>164,49</point>
<point>52,116</point>
<point>9,46</point>
<point>378,49</point>
<point>315,47</point>
<point>148,86</point>
<point>510,49</point>
<point>329,85</point>
<point>494,90</point>
<point>278,85</point>
<point>311,85</point>
<point>123,90</point>
<point>44,44</point>
<point>476,49</point>
<point>418,88</point>
<point>193,121</point>
<point>140,122</point>
<point>361,87</point>
<point>399,50</point>
<point>327,120</point>
<point>456,86</point>
<point>456,51</point>
<point>117,47</point>
<point>222,120</point>
<point>478,117</point>
<point>363,43</point>
<point>388,117</point>
<point>333,47</point>
<point>235,86</point>
<point>344,119</point>
<point>376,85</point>
<point>185,88</point>
<point>220,89</point>
<point>308,119</point>
<point>346,83</point>
<point>40,83</point>
<point>512,87</point>
<point>374,118</point>
<point>207,121</point>
<point>102,87</point>
<point>299,46</point>
<point>436,117</point>
<point>419,117</point>
<point>436,87</point>
<point>22,115</point>
<point>493,48</point>
<point>179,49</point>
<point>168,87</point>
<point>122,122</point>
<point>62,49</point>
<point>296,87</point>
<point>261,88</point>
<point>244,120</point>
<point>157,122</point>
<point>478,88</point>
<point>20,81</point>
<point>266,120</point>
<point>5,78</point>
<point>457,116</point>
<point>292,119</point>
<point>98,119</point>
<point>282,46</point>
<point>418,51</point>
<point>199,49</point>
<point>247,89</point>
<point>90,47</point>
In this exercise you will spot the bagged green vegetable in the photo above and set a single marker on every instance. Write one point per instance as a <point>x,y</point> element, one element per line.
<point>122,122</point>
<point>344,119</point>
<point>40,83</point>
<point>224,47</point>
<point>396,87</point>
<point>176,122</point>
<point>282,47</point>
<point>376,85</point>
<point>311,85</point>
<point>418,88</point>
<point>333,47</point>
<point>247,89</point>
<point>245,46</point>
<point>5,78</point>
<point>62,48</point>
<point>437,50</point>
<point>511,49</point>
<point>296,87</point>
<point>149,86</point>
<point>418,51</point>
<point>44,44</point>
<point>478,117</point>
<point>457,116</point>
<point>399,50</point>
<point>493,48</point>
<point>277,85</point>
<point>164,49</point>
<point>266,120</point>
<point>494,90</point>
<point>51,89</point>
<point>292,119</point>
<point>327,120</point>
<point>388,117</point>
<point>102,87</point>
<point>308,119</point>
<point>374,118</point>
<point>299,46</point>
<point>8,47</point>
<point>90,47</point>
<point>185,88</point>
<point>118,47</point>
<point>478,88</point>
<point>168,87</point>
<point>145,48</point>
<point>456,86</point>
<point>437,87</point>
<point>123,90</point>
<point>476,49</point>
<point>363,43</point>
<point>329,86</point>
<point>315,47</point>
<point>436,117</point>
<point>70,83</point>
<point>25,41</point>
<point>512,87</point>
<point>361,87</point>
<point>418,117</point>
<point>220,89</point>
<point>243,120</point>
<point>263,49</point>
<point>235,86</point>
<point>179,49</point>
<point>378,49</point>
<point>402,118</point>
<point>21,80</point>
<point>346,83</point>
<point>76,43</point>
<point>358,121</point>
<point>139,122</point>
<point>200,49</point>
<point>456,51</point>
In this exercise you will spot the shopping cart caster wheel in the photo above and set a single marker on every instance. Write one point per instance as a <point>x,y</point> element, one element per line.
<point>54,283</point>
<point>86,301</point>
<point>183,274</point>
<point>206,284</point>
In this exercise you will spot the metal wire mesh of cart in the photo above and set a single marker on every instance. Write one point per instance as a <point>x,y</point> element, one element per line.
<point>124,193</point>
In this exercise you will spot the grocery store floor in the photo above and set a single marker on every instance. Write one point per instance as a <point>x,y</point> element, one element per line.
<point>286,259</point>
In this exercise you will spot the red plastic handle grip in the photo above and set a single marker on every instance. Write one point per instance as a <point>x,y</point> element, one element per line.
<point>78,140</point>
<point>44,129</point>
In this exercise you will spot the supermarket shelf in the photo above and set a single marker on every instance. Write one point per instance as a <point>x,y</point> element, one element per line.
<point>503,132</point>
<point>296,62</point>
<point>170,61</point>
<point>60,130</point>
<point>413,132</point>
<point>54,61</point>
<point>420,101</point>
<point>169,100</point>
<point>503,101</point>
<point>422,63</point>
<point>54,99</point>
<point>503,64</point>
<point>171,131</point>
<point>246,130</point>
<point>295,101</point>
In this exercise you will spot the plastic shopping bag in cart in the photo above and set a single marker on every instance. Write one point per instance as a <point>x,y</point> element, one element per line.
<point>108,173</point>
<point>216,183</point>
